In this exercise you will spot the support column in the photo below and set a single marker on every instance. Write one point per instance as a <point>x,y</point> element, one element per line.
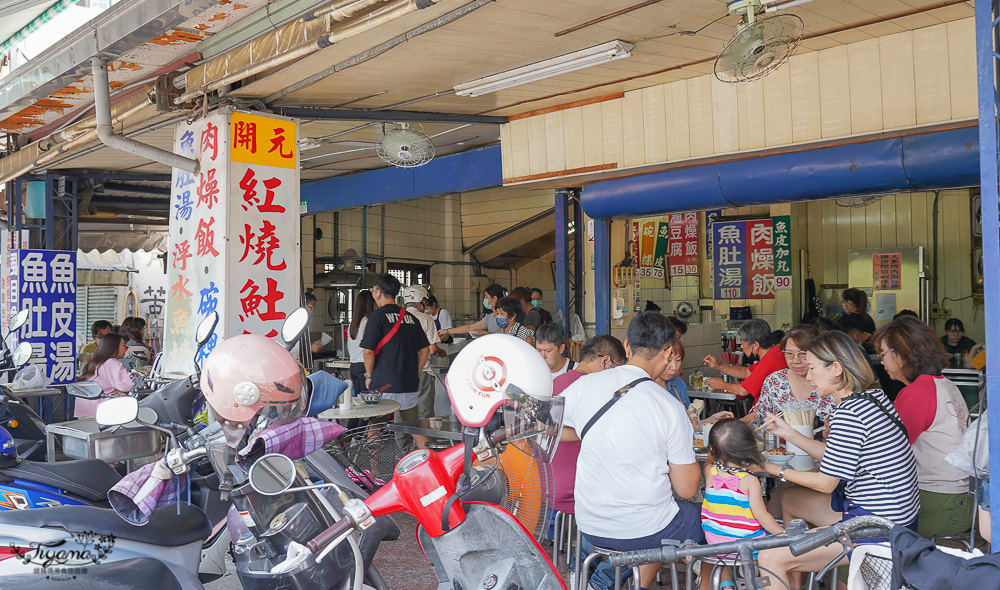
<point>562,199</point>
<point>988,142</point>
<point>602,275</point>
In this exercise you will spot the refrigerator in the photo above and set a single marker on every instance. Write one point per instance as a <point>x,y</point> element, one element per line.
<point>894,279</point>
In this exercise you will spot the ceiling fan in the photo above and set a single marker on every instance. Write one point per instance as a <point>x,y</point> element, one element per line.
<point>762,43</point>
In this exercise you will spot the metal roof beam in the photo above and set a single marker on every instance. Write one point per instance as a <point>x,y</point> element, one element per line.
<point>387,116</point>
<point>137,188</point>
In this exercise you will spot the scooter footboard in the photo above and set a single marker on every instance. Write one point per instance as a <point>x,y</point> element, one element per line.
<point>489,549</point>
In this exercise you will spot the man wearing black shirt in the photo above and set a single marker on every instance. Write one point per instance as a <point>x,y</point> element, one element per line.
<point>394,360</point>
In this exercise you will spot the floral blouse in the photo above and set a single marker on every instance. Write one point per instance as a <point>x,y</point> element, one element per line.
<point>777,392</point>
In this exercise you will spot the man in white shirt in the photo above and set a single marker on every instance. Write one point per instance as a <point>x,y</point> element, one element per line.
<point>550,342</point>
<point>637,453</point>
<point>442,319</point>
<point>413,299</point>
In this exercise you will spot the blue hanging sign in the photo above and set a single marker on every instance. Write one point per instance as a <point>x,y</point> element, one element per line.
<point>45,285</point>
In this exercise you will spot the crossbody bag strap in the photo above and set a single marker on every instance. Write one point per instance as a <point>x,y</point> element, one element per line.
<point>874,399</point>
<point>614,399</point>
<point>392,332</point>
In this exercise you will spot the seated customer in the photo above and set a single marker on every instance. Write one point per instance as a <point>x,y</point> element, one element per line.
<point>550,342</point>
<point>647,439</point>
<point>759,344</point>
<point>107,370</point>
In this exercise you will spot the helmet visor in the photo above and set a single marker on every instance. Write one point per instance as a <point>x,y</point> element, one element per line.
<point>537,420</point>
<point>285,412</point>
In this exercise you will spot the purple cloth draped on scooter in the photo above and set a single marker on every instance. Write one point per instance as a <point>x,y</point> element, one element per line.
<point>141,492</point>
<point>295,440</point>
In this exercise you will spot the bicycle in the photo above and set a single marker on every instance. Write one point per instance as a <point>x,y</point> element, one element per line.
<point>796,538</point>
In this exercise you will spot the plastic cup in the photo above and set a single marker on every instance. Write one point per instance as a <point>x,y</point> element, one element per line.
<point>805,431</point>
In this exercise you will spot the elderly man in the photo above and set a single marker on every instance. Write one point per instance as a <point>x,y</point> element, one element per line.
<point>636,449</point>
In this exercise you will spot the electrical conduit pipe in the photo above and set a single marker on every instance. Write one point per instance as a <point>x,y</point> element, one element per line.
<point>105,130</point>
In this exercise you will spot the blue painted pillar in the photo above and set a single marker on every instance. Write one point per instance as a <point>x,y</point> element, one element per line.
<point>562,259</point>
<point>602,275</point>
<point>990,182</point>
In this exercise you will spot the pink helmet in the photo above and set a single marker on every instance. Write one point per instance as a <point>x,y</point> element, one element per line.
<point>249,374</point>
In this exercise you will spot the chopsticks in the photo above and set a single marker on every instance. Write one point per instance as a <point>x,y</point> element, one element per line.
<point>780,414</point>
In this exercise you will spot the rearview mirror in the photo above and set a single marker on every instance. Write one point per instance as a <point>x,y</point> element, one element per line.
<point>21,354</point>
<point>272,474</point>
<point>205,328</point>
<point>18,320</point>
<point>117,411</point>
<point>293,326</point>
<point>85,389</point>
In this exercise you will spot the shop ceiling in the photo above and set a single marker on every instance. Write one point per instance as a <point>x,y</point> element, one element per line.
<point>674,40</point>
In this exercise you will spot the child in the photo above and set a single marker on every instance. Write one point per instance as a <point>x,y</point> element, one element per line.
<point>734,505</point>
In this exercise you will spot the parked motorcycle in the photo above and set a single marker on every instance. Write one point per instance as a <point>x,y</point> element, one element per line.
<point>23,424</point>
<point>468,544</point>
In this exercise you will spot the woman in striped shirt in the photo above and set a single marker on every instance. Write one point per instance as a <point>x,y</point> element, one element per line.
<point>867,466</point>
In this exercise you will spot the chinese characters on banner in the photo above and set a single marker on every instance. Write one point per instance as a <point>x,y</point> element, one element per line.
<point>234,232</point>
<point>683,231</point>
<point>744,259</point>
<point>647,251</point>
<point>760,259</point>
<point>782,252</point>
<point>729,240</point>
<point>46,286</point>
<point>886,271</point>
<point>264,250</point>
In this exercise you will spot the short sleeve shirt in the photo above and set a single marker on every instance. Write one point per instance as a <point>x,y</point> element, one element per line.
<point>430,331</point>
<point>623,472</point>
<point>777,392</point>
<point>396,364</point>
<point>773,361</point>
<point>869,451</point>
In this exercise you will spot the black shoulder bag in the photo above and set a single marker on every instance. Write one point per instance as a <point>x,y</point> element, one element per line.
<point>614,399</point>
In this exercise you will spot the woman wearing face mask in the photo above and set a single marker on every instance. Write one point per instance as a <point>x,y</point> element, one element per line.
<point>487,325</point>
<point>759,344</point>
<point>506,310</point>
<point>791,384</point>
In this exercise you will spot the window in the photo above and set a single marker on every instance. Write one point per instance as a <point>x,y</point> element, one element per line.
<point>411,274</point>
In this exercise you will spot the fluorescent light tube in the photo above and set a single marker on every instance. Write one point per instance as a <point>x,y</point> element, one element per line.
<point>585,58</point>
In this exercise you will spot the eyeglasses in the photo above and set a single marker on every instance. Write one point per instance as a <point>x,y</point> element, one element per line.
<point>881,355</point>
<point>790,354</point>
<point>613,363</point>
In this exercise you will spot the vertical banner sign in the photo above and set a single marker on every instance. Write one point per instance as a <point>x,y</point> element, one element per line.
<point>760,264</point>
<point>684,244</point>
<point>647,249</point>
<point>782,252</point>
<point>264,262</point>
<point>886,271</point>
<point>46,287</point>
<point>234,245</point>
<point>5,303</point>
<point>197,239</point>
<point>729,240</point>
<point>660,259</point>
<point>710,217</point>
<point>633,243</point>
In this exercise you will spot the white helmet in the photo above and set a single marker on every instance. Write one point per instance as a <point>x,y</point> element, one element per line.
<point>414,294</point>
<point>504,371</point>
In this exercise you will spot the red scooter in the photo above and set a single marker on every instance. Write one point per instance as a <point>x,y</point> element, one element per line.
<point>470,544</point>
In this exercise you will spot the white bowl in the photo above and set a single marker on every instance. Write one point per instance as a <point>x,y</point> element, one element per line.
<point>778,459</point>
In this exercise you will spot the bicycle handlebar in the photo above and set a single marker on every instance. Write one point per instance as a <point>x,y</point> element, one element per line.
<point>861,527</point>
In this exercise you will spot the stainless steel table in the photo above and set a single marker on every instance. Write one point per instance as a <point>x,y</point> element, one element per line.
<point>382,408</point>
<point>718,394</point>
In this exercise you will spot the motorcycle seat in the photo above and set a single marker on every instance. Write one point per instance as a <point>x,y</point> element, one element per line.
<point>127,573</point>
<point>88,478</point>
<point>165,528</point>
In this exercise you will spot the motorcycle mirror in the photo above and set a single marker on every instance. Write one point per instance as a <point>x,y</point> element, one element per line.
<point>85,389</point>
<point>293,327</point>
<point>205,328</point>
<point>272,474</point>
<point>17,321</point>
<point>117,411</point>
<point>21,354</point>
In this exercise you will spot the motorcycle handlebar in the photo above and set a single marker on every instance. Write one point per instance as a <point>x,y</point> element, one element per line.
<point>498,436</point>
<point>323,539</point>
<point>814,540</point>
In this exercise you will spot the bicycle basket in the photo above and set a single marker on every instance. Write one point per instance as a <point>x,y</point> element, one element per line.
<point>368,454</point>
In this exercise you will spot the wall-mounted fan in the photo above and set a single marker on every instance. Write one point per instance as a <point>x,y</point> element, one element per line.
<point>760,46</point>
<point>405,147</point>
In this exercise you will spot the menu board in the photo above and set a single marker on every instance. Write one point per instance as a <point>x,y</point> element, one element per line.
<point>684,244</point>
<point>887,271</point>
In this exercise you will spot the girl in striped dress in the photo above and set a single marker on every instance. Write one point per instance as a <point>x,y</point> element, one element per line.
<point>734,505</point>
